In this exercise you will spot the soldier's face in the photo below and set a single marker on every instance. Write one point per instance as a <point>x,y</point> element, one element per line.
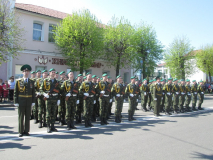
<point>104,78</point>
<point>158,80</point>
<point>194,82</point>
<point>133,81</point>
<point>201,83</point>
<point>71,75</point>
<point>145,82</point>
<point>187,83</point>
<point>56,76</point>
<point>38,74</point>
<point>109,80</point>
<point>89,77</point>
<point>33,75</point>
<point>169,81</point>
<point>25,73</point>
<point>52,74</point>
<point>182,82</point>
<point>44,75</point>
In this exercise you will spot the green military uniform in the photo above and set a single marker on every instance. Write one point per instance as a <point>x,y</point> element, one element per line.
<point>144,90</point>
<point>41,103</point>
<point>131,93</point>
<point>167,89</point>
<point>194,95</point>
<point>188,96</point>
<point>71,91</point>
<point>137,91</point>
<point>116,91</point>
<point>149,95</point>
<point>24,98</point>
<point>35,107</point>
<point>61,107</point>
<point>50,88</point>
<point>200,90</point>
<point>152,100</point>
<point>157,96</point>
<point>176,91</point>
<point>103,89</point>
<point>182,96</point>
<point>162,104</point>
<point>88,90</point>
<point>95,106</point>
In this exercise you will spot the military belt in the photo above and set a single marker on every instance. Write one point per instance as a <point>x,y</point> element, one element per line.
<point>74,95</point>
<point>159,94</point>
<point>54,94</point>
<point>135,94</point>
<point>106,95</point>
<point>26,96</point>
<point>91,96</point>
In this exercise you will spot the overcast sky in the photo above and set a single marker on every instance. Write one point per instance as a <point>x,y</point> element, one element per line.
<point>170,18</point>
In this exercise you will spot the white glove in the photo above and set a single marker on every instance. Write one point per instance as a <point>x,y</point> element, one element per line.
<point>46,95</point>
<point>86,94</point>
<point>118,95</point>
<point>155,99</point>
<point>58,102</point>
<point>163,93</point>
<point>68,95</point>
<point>169,93</point>
<point>38,93</point>
<point>102,92</point>
<point>137,100</point>
<point>16,105</point>
<point>195,92</point>
<point>77,102</point>
<point>110,101</point>
<point>131,95</point>
<point>202,93</point>
<point>33,104</point>
<point>144,93</point>
<point>94,101</point>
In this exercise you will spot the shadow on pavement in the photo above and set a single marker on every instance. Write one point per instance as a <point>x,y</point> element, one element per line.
<point>7,108</point>
<point>4,130</point>
<point>202,156</point>
<point>10,145</point>
<point>196,114</point>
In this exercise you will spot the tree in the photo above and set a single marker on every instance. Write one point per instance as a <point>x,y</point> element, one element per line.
<point>119,44</point>
<point>11,34</point>
<point>178,58</point>
<point>149,49</point>
<point>80,39</point>
<point>204,60</point>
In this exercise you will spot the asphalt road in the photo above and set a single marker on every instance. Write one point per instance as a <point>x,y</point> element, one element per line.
<point>182,136</point>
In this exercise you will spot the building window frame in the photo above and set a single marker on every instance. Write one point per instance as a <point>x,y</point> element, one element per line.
<point>41,39</point>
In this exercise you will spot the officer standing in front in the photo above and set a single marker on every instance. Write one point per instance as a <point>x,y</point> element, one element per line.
<point>24,99</point>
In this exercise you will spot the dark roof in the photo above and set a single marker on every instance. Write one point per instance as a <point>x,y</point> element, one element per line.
<point>41,10</point>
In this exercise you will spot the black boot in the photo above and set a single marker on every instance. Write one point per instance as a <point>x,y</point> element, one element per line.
<point>48,128</point>
<point>89,123</point>
<point>68,125</point>
<point>117,119</point>
<point>35,120</point>
<point>132,117</point>
<point>40,125</point>
<point>105,121</point>
<point>60,121</point>
<point>44,124</point>
<point>77,119</point>
<point>199,107</point>
<point>129,117</point>
<point>86,123</point>
<point>72,124</point>
<point>53,128</point>
<point>102,121</point>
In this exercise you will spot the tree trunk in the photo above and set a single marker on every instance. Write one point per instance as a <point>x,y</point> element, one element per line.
<point>144,68</point>
<point>210,78</point>
<point>81,60</point>
<point>118,64</point>
<point>182,69</point>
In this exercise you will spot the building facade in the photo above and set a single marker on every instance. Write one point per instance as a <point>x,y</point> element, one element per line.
<point>39,48</point>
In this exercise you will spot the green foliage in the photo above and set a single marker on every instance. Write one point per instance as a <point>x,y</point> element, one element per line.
<point>204,59</point>
<point>119,44</point>
<point>149,49</point>
<point>178,58</point>
<point>80,39</point>
<point>10,32</point>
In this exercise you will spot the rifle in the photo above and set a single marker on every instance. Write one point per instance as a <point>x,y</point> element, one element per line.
<point>52,90</point>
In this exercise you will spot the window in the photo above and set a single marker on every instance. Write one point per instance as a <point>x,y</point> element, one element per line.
<point>18,72</point>
<point>37,32</point>
<point>51,33</point>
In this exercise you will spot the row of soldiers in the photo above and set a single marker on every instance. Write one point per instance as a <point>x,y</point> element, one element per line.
<point>70,98</point>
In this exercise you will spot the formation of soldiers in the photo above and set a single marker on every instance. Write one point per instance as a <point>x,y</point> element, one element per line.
<point>92,97</point>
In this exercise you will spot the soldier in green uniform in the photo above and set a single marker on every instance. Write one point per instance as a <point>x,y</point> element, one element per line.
<point>162,81</point>
<point>130,91</point>
<point>149,95</point>
<point>200,91</point>
<point>93,118</point>
<point>176,92</point>
<point>57,76</point>
<point>97,99</point>
<point>40,98</point>
<point>152,100</point>
<point>167,90</point>
<point>116,91</point>
<point>103,88</point>
<point>24,99</point>
<point>87,89</point>
<point>70,88</point>
<point>79,108</point>
<point>144,90</point>
<point>33,114</point>
<point>188,95</point>
<point>33,75</point>
<point>182,95</point>
<point>50,88</point>
<point>61,107</point>
<point>137,91</point>
<point>109,108</point>
<point>157,96</point>
<point>194,95</point>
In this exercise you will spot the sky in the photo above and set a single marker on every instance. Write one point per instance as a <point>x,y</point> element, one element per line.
<point>170,18</point>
